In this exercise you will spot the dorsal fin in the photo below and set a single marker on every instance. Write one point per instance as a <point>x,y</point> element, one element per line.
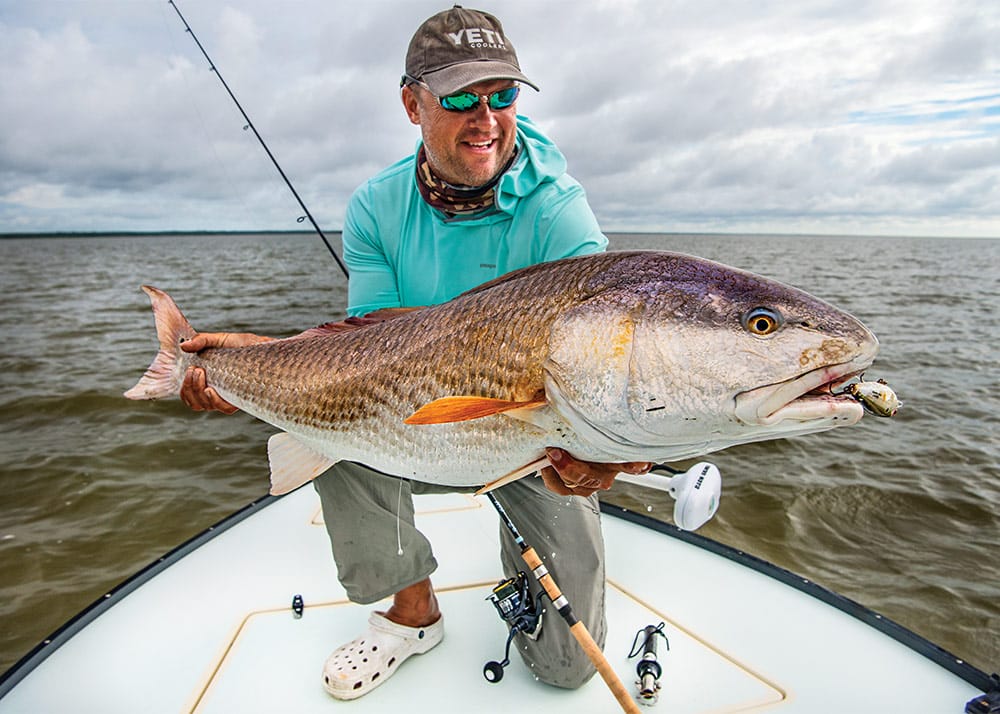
<point>351,324</point>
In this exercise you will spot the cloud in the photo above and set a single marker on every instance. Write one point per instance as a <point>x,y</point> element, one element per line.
<point>826,117</point>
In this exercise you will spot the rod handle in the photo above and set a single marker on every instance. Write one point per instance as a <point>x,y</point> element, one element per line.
<point>604,668</point>
<point>580,632</point>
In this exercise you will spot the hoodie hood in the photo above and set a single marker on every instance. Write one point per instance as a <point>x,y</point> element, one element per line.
<point>538,161</point>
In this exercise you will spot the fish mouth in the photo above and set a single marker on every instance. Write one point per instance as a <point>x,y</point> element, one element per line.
<point>806,398</point>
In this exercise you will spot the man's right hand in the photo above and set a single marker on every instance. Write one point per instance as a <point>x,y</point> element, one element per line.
<point>195,391</point>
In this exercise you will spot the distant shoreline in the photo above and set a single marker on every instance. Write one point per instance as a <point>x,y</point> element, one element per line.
<point>149,234</point>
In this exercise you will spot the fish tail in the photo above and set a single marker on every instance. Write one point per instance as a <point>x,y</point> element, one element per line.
<point>166,373</point>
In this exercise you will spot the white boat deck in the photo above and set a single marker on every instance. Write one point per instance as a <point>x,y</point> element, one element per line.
<point>215,632</point>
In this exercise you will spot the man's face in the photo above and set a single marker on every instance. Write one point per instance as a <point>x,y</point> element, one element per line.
<point>464,148</point>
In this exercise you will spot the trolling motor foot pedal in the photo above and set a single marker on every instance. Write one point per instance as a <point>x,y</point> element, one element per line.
<point>518,609</point>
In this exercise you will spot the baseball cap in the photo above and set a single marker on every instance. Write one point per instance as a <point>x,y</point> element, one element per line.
<point>459,47</point>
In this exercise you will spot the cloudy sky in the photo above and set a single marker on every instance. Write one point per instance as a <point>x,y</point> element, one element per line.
<point>812,116</point>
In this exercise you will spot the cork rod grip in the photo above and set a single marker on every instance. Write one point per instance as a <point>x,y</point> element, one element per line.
<point>580,632</point>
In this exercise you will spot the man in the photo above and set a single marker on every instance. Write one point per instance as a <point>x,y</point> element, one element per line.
<point>485,193</point>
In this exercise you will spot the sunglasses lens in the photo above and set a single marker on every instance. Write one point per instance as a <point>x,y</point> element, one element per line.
<point>467,101</point>
<point>504,98</point>
<point>461,102</point>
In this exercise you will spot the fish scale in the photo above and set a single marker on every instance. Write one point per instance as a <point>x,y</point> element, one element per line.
<point>569,353</point>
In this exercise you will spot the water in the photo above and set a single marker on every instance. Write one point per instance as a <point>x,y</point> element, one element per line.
<point>900,515</point>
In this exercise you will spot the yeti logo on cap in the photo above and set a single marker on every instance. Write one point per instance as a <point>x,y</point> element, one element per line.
<point>478,37</point>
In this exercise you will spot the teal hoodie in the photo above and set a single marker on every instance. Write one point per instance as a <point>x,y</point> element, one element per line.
<point>403,253</point>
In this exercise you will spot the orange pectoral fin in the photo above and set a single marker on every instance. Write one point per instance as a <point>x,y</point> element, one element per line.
<point>451,409</point>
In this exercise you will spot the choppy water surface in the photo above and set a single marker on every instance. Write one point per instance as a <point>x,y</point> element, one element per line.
<point>901,515</point>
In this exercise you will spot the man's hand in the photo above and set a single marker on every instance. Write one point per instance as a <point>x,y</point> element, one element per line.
<point>195,391</point>
<point>570,477</point>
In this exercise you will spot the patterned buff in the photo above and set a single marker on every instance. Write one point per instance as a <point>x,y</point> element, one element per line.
<point>453,200</point>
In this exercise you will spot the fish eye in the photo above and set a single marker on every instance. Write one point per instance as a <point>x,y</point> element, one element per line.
<point>761,321</point>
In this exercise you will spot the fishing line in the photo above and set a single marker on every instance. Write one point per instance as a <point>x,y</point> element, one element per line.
<point>399,504</point>
<point>202,123</point>
<point>249,125</point>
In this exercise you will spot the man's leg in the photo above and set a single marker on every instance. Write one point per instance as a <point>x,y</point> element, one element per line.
<point>379,552</point>
<point>565,531</point>
<point>369,517</point>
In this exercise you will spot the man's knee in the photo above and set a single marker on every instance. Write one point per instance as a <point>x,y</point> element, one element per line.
<point>572,678</point>
<point>566,669</point>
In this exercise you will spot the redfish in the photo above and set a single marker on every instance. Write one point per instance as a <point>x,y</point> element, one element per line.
<point>620,356</point>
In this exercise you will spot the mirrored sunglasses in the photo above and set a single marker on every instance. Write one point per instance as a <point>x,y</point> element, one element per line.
<point>468,101</point>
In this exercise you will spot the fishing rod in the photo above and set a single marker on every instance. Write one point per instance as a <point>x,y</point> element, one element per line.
<point>562,605</point>
<point>249,125</point>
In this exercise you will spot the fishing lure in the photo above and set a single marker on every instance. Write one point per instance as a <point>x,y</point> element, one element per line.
<point>877,397</point>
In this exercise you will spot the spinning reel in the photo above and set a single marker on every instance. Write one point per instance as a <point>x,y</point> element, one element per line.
<point>518,609</point>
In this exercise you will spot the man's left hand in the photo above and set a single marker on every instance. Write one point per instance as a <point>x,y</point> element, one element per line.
<point>570,477</point>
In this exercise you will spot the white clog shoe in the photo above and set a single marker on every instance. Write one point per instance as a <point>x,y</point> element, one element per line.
<point>358,667</point>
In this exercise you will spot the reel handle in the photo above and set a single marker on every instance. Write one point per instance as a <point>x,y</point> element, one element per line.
<point>493,671</point>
